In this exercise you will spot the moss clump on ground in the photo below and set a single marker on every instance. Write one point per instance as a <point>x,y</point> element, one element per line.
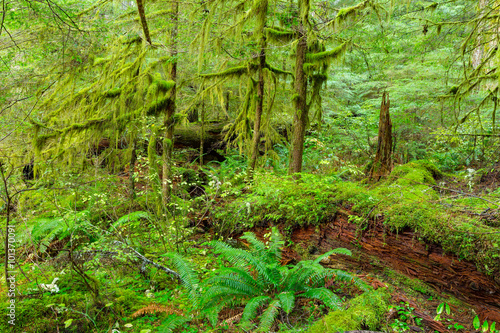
<point>365,312</point>
<point>415,172</point>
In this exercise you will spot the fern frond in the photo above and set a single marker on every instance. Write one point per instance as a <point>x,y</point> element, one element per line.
<point>251,309</point>
<point>304,276</point>
<point>287,301</point>
<point>217,304</point>
<point>134,216</point>
<point>267,318</point>
<point>275,244</point>
<point>242,258</point>
<point>154,308</point>
<point>340,275</point>
<point>339,250</point>
<point>230,321</point>
<point>234,283</point>
<point>325,295</point>
<point>244,276</point>
<point>257,247</point>
<point>189,277</point>
<point>215,294</point>
<point>171,323</point>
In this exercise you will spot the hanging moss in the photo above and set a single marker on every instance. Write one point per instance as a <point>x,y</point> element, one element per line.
<point>100,61</point>
<point>277,70</point>
<point>279,35</point>
<point>319,77</point>
<point>113,93</point>
<point>347,13</point>
<point>232,72</point>
<point>309,67</point>
<point>327,56</point>
<point>158,106</point>
<point>164,85</point>
<point>162,12</point>
<point>133,40</point>
<point>432,7</point>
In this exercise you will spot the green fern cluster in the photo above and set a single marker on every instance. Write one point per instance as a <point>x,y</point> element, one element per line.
<point>257,280</point>
<point>48,229</point>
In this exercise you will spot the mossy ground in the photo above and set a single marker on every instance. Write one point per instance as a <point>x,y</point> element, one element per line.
<point>407,199</point>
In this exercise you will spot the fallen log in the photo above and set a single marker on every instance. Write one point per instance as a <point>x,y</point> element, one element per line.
<point>404,252</point>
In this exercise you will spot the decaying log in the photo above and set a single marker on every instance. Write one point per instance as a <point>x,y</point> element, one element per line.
<point>188,136</point>
<point>405,253</point>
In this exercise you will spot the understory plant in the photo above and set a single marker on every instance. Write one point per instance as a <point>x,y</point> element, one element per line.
<point>256,280</point>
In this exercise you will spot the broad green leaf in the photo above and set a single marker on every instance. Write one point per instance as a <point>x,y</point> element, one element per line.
<point>476,323</point>
<point>68,323</point>
<point>485,326</point>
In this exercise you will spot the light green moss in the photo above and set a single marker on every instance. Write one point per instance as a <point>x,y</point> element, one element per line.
<point>365,311</point>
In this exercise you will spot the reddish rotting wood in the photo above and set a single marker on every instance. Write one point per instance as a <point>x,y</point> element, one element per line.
<point>404,252</point>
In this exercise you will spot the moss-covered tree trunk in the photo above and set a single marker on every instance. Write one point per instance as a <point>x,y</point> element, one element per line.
<point>382,165</point>
<point>168,142</point>
<point>144,22</point>
<point>202,131</point>
<point>7,199</point>
<point>300,117</point>
<point>133,159</point>
<point>258,108</point>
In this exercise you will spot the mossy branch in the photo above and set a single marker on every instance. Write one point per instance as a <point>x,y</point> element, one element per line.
<point>277,71</point>
<point>41,140</point>
<point>327,56</point>
<point>280,35</point>
<point>164,85</point>
<point>232,72</point>
<point>158,106</point>
<point>112,93</point>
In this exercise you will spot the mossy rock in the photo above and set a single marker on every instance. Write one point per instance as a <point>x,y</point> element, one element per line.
<point>366,311</point>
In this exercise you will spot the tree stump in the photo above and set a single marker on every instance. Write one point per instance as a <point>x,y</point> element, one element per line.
<point>382,165</point>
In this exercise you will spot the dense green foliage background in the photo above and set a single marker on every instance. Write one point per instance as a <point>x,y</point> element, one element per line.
<point>140,139</point>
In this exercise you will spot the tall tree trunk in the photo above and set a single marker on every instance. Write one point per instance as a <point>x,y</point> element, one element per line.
<point>142,16</point>
<point>168,142</point>
<point>202,134</point>
<point>382,165</point>
<point>7,198</point>
<point>300,118</point>
<point>133,159</point>
<point>259,107</point>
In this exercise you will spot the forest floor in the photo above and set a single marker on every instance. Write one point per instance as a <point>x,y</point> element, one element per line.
<point>419,274</point>
<point>430,238</point>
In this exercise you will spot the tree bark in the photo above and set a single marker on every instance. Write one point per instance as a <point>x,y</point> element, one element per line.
<point>300,118</point>
<point>7,199</point>
<point>168,142</point>
<point>202,134</point>
<point>144,22</point>
<point>259,107</point>
<point>133,159</point>
<point>382,165</point>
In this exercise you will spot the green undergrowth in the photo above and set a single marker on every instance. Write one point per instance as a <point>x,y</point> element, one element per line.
<point>366,311</point>
<point>407,199</point>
